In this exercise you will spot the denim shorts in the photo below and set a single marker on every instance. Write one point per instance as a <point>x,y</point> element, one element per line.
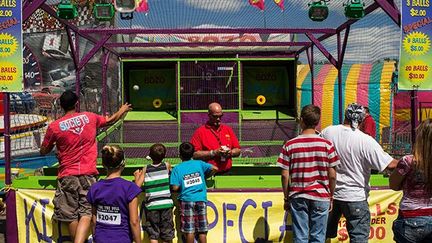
<point>416,229</point>
<point>309,219</point>
<point>357,217</point>
<point>193,217</point>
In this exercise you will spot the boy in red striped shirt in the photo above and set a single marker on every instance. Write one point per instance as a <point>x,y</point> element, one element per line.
<point>308,164</point>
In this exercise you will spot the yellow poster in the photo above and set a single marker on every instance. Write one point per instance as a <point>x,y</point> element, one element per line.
<point>232,216</point>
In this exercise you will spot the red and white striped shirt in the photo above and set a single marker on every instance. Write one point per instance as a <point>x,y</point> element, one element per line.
<point>307,158</point>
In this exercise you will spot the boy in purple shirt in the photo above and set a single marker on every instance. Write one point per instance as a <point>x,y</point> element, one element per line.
<point>114,203</point>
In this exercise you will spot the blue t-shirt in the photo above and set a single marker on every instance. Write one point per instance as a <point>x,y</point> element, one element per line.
<point>190,177</point>
<point>111,200</point>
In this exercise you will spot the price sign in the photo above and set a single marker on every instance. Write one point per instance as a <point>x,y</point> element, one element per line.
<point>415,56</point>
<point>11,60</point>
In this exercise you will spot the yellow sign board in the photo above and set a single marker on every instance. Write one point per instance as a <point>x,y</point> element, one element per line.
<point>232,217</point>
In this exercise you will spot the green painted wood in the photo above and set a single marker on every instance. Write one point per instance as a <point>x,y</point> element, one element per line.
<point>217,182</point>
<point>149,116</point>
<point>265,115</point>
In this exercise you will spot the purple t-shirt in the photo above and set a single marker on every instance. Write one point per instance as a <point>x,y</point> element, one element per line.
<point>413,186</point>
<point>111,200</point>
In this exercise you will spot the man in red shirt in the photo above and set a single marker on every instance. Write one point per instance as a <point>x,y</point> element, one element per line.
<point>74,136</point>
<point>368,125</point>
<point>214,142</point>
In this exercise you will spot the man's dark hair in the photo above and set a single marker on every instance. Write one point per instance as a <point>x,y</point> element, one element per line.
<point>157,152</point>
<point>310,115</point>
<point>68,100</point>
<point>186,151</point>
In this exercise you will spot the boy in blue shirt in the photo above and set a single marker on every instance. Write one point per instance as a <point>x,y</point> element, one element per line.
<point>188,178</point>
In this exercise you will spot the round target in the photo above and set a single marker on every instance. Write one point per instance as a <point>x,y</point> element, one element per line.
<point>261,99</point>
<point>157,103</point>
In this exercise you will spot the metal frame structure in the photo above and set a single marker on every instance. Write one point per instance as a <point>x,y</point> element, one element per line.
<point>316,36</point>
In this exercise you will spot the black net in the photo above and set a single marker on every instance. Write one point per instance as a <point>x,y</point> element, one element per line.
<point>204,82</point>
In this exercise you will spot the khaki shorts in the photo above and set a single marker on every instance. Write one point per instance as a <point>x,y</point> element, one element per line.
<point>70,200</point>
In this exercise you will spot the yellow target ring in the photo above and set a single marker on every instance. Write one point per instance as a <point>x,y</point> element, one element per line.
<point>157,103</point>
<point>261,100</point>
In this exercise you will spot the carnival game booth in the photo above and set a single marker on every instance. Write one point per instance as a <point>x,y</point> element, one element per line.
<point>175,57</point>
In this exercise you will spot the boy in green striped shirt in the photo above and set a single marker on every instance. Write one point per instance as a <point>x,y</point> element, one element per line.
<point>154,181</point>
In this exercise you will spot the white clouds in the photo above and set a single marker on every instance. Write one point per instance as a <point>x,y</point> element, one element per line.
<point>216,6</point>
<point>204,26</point>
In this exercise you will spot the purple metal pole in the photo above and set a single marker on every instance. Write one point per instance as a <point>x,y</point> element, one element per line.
<point>30,8</point>
<point>105,59</point>
<point>93,51</point>
<point>310,57</point>
<point>344,45</point>
<point>177,55</point>
<point>414,114</point>
<point>77,73</point>
<point>210,44</point>
<point>391,10</point>
<point>322,49</point>
<point>339,68</point>
<point>11,225</point>
<point>74,53</point>
<point>7,144</point>
<point>208,30</point>
<point>11,218</point>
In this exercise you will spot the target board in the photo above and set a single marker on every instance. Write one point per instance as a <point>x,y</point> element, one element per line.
<point>152,89</point>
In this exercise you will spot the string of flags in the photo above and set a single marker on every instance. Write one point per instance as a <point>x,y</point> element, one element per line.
<point>260,4</point>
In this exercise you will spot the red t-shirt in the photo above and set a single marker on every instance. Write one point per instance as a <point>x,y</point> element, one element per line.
<point>208,138</point>
<point>74,135</point>
<point>368,126</point>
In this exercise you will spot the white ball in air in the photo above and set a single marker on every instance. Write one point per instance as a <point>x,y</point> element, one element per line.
<point>136,87</point>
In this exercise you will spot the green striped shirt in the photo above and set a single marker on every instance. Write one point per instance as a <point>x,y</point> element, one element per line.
<point>156,187</point>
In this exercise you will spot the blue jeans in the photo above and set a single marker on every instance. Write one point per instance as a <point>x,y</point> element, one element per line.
<point>418,229</point>
<point>357,220</point>
<point>309,219</point>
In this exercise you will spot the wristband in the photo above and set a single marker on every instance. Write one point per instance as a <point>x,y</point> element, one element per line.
<point>212,153</point>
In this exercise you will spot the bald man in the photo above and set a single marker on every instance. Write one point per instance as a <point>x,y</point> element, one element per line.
<point>214,142</point>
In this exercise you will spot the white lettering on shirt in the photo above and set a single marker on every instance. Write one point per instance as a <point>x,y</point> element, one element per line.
<point>108,215</point>
<point>75,124</point>
<point>192,179</point>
